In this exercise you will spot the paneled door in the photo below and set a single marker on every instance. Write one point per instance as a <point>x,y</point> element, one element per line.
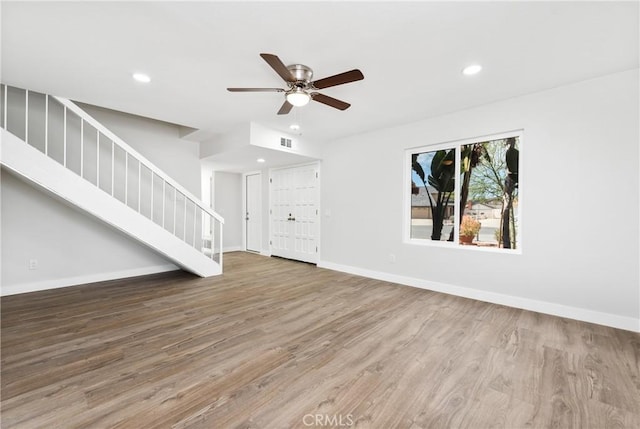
<point>253,215</point>
<point>294,213</point>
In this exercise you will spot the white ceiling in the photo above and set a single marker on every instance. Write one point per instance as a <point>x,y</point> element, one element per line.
<point>411,54</point>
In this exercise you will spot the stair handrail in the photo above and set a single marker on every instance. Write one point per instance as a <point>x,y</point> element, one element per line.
<point>134,153</point>
<point>209,243</point>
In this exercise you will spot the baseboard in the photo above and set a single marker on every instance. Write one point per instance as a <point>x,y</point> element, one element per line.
<point>79,280</point>
<point>582,314</point>
<point>233,249</point>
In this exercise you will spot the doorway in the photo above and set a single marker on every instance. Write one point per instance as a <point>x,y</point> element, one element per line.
<point>253,212</point>
<point>294,212</point>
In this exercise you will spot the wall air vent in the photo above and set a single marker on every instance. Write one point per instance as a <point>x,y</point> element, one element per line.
<point>285,142</point>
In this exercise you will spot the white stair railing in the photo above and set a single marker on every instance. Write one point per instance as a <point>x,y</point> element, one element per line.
<point>64,132</point>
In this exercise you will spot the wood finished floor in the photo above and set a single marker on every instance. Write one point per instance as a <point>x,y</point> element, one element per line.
<point>273,343</point>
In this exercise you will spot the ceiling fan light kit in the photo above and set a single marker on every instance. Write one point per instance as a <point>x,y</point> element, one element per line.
<point>298,97</point>
<point>301,89</point>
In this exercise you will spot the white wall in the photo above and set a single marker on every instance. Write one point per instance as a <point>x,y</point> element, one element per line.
<point>238,137</point>
<point>70,247</point>
<point>227,200</point>
<point>580,204</point>
<point>269,138</point>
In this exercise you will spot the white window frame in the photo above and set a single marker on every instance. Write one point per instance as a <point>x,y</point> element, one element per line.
<point>457,145</point>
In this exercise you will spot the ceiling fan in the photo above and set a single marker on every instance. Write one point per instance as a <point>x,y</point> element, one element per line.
<point>301,89</point>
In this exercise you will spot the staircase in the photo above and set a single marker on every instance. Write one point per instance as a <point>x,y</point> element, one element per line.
<point>52,143</point>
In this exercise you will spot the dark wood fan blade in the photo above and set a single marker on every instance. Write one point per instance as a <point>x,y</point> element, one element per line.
<point>278,66</point>
<point>338,79</point>
<point>255,89</point>
<point>330,101</point>
<point>286,108</point>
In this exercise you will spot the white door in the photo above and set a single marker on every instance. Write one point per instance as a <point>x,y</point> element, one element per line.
<point>294,213</point>
<point>253,215</point>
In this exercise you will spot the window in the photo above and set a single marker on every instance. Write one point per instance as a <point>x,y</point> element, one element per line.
<point>466,193</point>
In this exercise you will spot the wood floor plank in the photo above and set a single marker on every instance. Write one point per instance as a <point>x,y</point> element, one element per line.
<point>279,344</point>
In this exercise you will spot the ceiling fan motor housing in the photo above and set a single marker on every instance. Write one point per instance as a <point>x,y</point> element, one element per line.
<point>301,72</point>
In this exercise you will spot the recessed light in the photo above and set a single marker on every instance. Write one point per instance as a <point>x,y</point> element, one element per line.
<point>472,69</point>
<point>260,160</point>
<point>294,127</point>
<point>141,77</point>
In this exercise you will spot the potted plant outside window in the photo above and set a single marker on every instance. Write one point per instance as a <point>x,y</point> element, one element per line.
<point>469,228</point>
